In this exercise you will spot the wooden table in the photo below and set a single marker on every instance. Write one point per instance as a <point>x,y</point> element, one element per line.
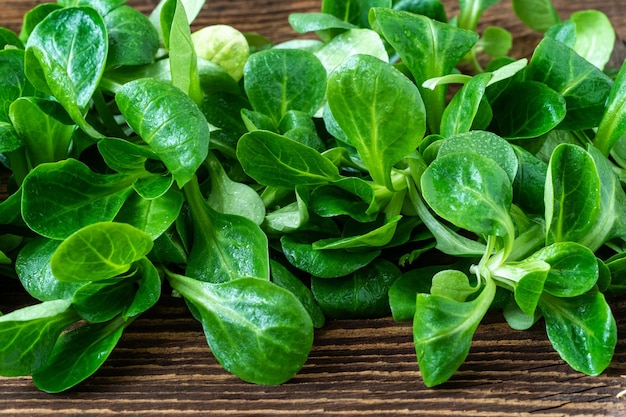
<point>162,365</point>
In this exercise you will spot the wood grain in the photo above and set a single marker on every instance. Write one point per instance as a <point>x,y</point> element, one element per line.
<point>162,365</point>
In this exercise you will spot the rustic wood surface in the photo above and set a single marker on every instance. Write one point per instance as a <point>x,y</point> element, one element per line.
<point>162,365</point>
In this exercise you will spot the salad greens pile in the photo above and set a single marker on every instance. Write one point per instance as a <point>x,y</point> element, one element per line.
<point>398,163</point>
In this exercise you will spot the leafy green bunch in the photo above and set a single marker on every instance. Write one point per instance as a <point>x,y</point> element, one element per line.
<point>273,186</point>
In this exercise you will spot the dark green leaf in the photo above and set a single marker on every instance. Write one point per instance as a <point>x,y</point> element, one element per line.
<point>584,86</point>
<point>60,198</point>
<point>169,122</point>
<point>428,48</point>
<point>325,263</point>
<point>33,268</point>
<point>471,191</point>
<point>274,160</point>
<point>363,294</point>
<point>282,277</point>
<point>443,329</point>
<point>256,330</point>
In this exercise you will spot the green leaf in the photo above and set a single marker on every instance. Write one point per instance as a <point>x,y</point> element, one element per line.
<point>353,12</point>
<point>471,11</point>
<point>527,277</point>
<point>13,82</point>
<point>463,108</point>
<point>66,56</point>
<point>99,251</point>
<point>452,284</point>
<point>153,217</point>
<point>349,196</point>
<point>405,288</point>
<point>582,329</point>
<point>33,269</point>
<point>275,160</point>
<point>282,277</point>
<point>177,39</point>
<point>572,194</point>
<point>584,86</point>
<point>256,330</point>
<point>428,48</point>
<point>573,269</point>
<point>133,40</point>
<point>495,41</point>
<point>471,191</point>
<point>279,80</point>
<point>149,290</point>
<point>102,301</point>
<point>378,237</point>
<point>434,9</point>
<point>613,123</point>
<point>539,15</point>
<point>43,127</point>
<point>30,333</point>
<point>60,198</point>
<point>486,144</point>
<point>595,36</point>
<point>362,294</point>
<point>325,263</point>
<point>125,156</point>
<point>443,329</point>
<point>528,109</point>
<point>223,45</point>
<point>225,247</point>
<point>169,122</point>
<point>383,127</point>
<point>76,355</point>
<point>351,42</point>
<point>314,22</point>
<point>231,197</point>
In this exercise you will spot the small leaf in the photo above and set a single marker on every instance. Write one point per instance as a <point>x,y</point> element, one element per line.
<point>275,160</point>
<point>325,263</point>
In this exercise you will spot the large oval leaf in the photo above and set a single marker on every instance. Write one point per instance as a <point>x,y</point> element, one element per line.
<point>279,80</point>
<point>471,191</point>
<point>169,122</point>
<point>380,111</point>
<point>60,198</point>
<point>71,47</point>
<point>257,330</point>
<point>572,194</point>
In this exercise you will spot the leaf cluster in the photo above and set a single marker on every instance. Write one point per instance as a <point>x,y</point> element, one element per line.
<point>273,187</point>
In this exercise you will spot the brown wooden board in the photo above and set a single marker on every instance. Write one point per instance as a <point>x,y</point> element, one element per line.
<point>163,366</point>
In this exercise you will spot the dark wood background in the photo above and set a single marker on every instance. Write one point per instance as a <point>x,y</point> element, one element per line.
<point>162,365</point>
